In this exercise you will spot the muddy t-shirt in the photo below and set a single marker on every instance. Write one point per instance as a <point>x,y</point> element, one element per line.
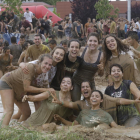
<point>15,80</point>
<point>92,118</point>
<point>34,52</point>
<point>123,111</point>
<point>71,67</point>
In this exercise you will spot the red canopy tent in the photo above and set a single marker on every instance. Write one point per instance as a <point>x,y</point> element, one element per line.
<point>40,11</point>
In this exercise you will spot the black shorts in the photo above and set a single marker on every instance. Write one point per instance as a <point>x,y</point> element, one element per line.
<point>27,27</point>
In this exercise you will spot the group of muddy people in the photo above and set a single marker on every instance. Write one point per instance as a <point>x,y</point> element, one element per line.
<point>56,71</point>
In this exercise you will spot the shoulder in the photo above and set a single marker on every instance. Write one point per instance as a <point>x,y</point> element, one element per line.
<point>30,47</point>
<point>108,90</point>
<point>79,59</point>
<point>127,83</point>
<point>44,47</point>
<point>104,113</point>
<point>31,66</point>
<point>11,56</point>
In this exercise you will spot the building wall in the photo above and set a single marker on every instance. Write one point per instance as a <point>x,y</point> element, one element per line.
<point>64,8</point>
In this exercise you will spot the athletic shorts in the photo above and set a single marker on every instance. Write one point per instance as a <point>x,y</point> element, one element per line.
<point>4,85</point>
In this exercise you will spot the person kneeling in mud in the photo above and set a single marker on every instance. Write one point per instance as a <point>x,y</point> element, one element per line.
<point>127,115</point>
<point>45,113</point>
<point>91,117</point>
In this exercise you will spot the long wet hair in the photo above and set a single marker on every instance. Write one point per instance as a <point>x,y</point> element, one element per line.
<point>120,47</point>
<point>60,66</point>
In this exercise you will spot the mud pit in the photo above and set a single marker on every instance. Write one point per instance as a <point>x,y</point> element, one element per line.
<point>52,131</point>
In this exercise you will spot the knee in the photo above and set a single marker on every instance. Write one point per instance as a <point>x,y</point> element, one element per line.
<point>9,111</point>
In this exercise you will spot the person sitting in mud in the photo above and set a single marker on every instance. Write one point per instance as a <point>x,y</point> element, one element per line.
<point>45,113</point>
<point>109,104</point>
<point>126,114</point>
<point>91,117</point>
<point>14,85</point>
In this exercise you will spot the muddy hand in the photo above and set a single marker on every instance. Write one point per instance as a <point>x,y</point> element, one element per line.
<point>25,70</point>
<point>100,66</point>
<point>57,117</point>
<point>137,100</point>
<point>24,98</point>
<point>55,100</point>
<point>8,67</point>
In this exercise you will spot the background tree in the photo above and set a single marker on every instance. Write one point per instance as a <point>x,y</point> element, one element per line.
<point>83,9</point>
<point>51,2</point>
<point>13,5</point>
<point>135,10</point>
<point>104,8</point>
<point>54,11</point>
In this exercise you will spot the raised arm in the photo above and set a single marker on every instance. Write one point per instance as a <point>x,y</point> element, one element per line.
<point>73,105</point>
<point>45,16</point>
<point>121,101</point>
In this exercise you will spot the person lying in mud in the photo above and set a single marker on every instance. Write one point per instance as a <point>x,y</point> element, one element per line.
<point>45,113</point>
<point>109,104</point>
<point>91,117</point>
<point>126,114</point>
<point>14,85</point>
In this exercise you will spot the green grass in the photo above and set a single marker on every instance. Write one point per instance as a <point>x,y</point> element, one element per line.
<point>22,133</point>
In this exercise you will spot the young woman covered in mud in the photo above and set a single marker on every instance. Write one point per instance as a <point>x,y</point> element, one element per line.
<point>44,80</point>
<point>45,113</point>
<point>5,61</point>
<point>116,52</point>
<point>14,85</point>
<point>92,62</point>
<point>56,73</point>
<point>109,104</point>
<point>126,114</point>
<point>91,117</point>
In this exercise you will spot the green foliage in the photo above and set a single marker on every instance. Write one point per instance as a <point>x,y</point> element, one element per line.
<point>13,5</point>
<point>54,11</point>
<point>104,8</point>
<point>51,2</point>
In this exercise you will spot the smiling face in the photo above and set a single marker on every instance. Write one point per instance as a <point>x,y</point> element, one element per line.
<point>95,99</point>
<point>58,55</point>
<point>86,89</point>
<point>92,43</point>
<point>66,84</point>
<point>46,64</point>
<point>111,43</point>
<point>116,74</point>
<point>7,51</point>
<point>37,40</point>
<point>22,41</point>
<point>130,41</point>
<point>74,49</point>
